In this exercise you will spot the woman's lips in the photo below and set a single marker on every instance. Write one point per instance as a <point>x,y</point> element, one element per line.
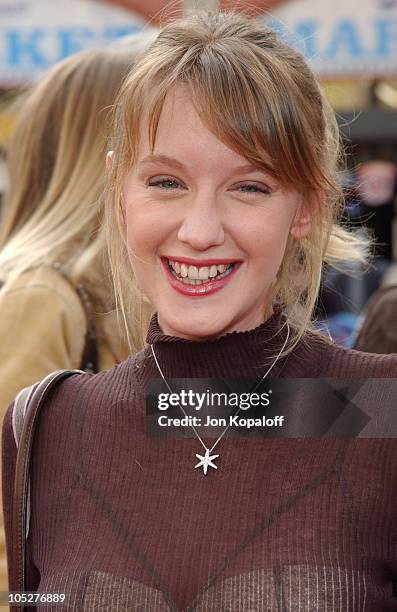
<point>201,262</point>
<point>206,288</point>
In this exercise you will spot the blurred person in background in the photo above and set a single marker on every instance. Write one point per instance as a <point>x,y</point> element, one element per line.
<point>377,329</point>
<point>55,295</point>
<point>55,305</point>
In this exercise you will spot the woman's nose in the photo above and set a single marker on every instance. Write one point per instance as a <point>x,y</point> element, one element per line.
<point>202,226</point>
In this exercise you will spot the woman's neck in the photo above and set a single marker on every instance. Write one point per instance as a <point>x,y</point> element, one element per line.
<point>247,324</point>
<point>236,354</point>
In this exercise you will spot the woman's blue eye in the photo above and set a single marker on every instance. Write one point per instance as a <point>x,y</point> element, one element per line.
<point>169,184</point>
<point>164,183</point>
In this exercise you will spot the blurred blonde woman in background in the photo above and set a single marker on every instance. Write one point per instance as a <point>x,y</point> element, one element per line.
<point>55,305</point>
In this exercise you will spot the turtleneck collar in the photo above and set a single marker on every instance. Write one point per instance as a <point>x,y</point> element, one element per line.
<point>238,354</point>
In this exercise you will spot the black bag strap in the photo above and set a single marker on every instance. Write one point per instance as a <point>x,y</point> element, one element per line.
<point>89,360</point>
<point>26,412</point>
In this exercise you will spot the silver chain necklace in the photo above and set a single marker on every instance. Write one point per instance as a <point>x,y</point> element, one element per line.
<point>207,460</point>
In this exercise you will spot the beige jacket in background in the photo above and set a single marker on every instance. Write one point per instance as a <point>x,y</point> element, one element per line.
<point>42,329</point>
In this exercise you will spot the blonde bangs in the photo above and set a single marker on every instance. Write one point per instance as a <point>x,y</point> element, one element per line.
<point>262,114</point>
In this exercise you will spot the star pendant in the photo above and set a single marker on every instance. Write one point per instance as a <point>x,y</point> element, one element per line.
<point>206,461</point>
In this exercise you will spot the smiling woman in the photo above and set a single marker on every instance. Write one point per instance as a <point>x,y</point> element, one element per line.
<point>255,146</point>
<point>223,204</point>
<point>205,225</point>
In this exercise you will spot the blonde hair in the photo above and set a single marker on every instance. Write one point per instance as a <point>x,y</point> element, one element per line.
<point>260,98</point>
<point>53,210</point>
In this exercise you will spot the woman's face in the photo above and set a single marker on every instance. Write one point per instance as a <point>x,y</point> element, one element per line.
<point>206,230</point>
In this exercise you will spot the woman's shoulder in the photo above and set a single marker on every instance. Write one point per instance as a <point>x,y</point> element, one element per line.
<point>105,388</point>
<point>43,292</point>
<point>42,328</point>
<point>82,391</point>
<point>329,360</point>
<point>43,280</point>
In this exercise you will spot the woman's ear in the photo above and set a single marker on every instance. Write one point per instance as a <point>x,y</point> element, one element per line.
<point>302,222</point>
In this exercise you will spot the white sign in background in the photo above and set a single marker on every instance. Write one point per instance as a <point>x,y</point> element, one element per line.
<point>35,34</point>
<point>342,37</point>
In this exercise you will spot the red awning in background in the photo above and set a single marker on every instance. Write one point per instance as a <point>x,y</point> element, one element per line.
<point>151,8</point>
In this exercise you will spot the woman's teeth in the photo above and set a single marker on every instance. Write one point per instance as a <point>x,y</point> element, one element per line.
<point>194,275</point>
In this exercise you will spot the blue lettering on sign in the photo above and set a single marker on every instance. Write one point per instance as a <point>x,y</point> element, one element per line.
<point>382,37</point>
<point>73,40</point>
<point>386,38</point>
<point>346,42</point>
<point>22,46</point>
<point>303,38</point>
<point>307,32</point>
<point>30,52</point>
<point>345,39</point>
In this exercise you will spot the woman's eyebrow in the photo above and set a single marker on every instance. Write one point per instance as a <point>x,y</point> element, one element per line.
<point>248,169</point>
<point>166,160</point>
<point>162,159</point>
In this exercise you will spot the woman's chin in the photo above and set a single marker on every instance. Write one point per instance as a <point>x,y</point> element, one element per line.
<point>193,327</point>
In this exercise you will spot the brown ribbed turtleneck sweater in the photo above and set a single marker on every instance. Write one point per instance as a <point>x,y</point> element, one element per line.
<point>123,522</point>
